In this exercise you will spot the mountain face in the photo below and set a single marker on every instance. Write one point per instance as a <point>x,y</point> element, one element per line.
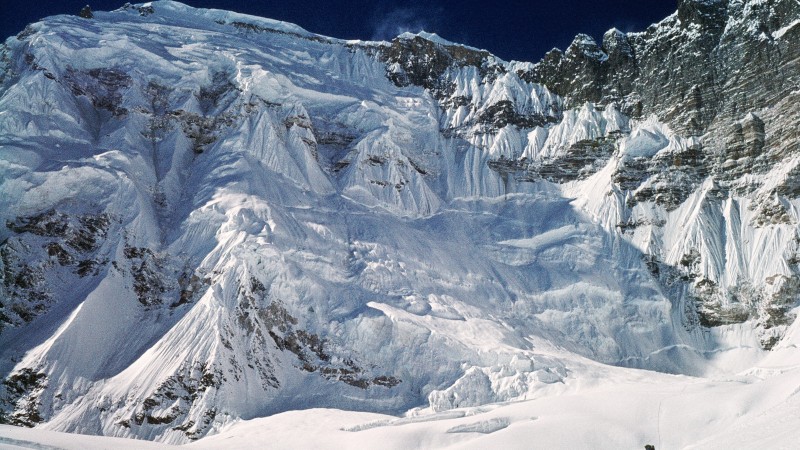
<point>208,216</point>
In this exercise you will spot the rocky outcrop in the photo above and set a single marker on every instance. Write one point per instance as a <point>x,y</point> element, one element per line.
<point>415,60</point>
<point>711,58</point>
<point>45,248</point>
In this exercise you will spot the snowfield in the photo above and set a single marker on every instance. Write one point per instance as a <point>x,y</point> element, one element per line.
<point>602,407</point>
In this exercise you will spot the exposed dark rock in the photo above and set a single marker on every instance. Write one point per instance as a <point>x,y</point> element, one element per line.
<point>216,102</point>
<point>26,33</point>
<point>102,86</point>
<point>42,244</point>
<point>376,160</point>
<point>160,122</point>
<point>19,403</point>
<point>747,138</point>
<point>707,14</point>
<point>503,113</point>
<point>420,62</point>
<point>672,177</point>
<point>49,223</point>
<point>178,393</point>
<point>577,73</point>
<point>191,286</point>
<point>579,161</point>
<point>582,159</point>
<point>202,130</point>
<point>146,10</point>
<point>86,12</point>
<point>55,250</point>
<point>772,211</point>
<point>142,10</point>
<point>687,69</point>
<point>147,270</point>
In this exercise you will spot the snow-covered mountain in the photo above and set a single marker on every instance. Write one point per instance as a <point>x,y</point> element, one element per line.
<point>207,216</point>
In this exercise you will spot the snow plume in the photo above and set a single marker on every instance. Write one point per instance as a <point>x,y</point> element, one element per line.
<point>387,25</point>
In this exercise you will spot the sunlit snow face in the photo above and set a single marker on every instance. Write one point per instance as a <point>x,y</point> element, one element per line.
<point>211,216</point>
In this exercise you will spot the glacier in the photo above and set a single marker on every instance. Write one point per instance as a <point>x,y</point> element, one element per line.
<point>209,217</point>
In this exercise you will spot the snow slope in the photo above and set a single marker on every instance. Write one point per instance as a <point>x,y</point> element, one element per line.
<point>210,217</point>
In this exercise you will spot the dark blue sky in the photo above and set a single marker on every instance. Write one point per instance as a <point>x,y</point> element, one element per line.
<point>522,30</point>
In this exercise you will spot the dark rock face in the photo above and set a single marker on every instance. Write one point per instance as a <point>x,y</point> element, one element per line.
<point>581,160</point>
<point>708,70</point>
<point>588,72</point>
<point>711,58</point>
<point>20,398</point>
<point>86,12</point>
<point>102,86</point>
<point>421,62</point>
<point>708,14</point>
<point>46,247</point>
<point>503,113</point>
<point>670,178</point>
<point>746,139</point>
<point>180,390</point>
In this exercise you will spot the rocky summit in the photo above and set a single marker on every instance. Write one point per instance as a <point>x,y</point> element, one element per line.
<point>207,216</point>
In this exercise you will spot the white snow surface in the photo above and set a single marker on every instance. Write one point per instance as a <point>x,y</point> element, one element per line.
<point>495,303</point>
<point>602,407</point>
